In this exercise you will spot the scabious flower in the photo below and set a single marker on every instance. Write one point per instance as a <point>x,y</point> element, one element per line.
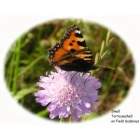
<point>68,93</point>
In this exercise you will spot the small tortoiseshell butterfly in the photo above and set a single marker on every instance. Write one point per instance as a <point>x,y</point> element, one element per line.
<point>71,53</point>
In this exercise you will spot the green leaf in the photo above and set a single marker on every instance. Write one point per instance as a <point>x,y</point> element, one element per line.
<point>42,113</point>
<point>24,92</point>
<point>108,36</point>
<point>110,41</point>
<point>105,53</point>
<point>96,58</point>
<point>102,48</point>
<point>31,65</point>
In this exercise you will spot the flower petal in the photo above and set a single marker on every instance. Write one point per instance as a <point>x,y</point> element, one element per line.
<point>68,93</point>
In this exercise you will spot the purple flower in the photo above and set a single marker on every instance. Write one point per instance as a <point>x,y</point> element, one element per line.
<point>68,93</point>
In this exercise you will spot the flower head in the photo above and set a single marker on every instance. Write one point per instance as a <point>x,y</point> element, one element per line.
<point>68,93</point>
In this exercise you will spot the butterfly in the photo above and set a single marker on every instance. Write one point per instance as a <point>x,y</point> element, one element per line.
<point>71,53</point>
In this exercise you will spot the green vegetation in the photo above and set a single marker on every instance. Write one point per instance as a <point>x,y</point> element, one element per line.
<point>27,60</point>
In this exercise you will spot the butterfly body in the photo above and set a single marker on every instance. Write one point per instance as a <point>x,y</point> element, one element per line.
<point>71,53</point>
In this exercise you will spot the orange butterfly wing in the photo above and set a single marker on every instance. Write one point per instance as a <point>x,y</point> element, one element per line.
<point>71,53</point>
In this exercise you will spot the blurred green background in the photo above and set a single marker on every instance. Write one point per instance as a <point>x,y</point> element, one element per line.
<point>27,60</point>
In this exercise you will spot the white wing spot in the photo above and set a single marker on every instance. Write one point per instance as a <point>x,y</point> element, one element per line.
<point>77,31</point>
